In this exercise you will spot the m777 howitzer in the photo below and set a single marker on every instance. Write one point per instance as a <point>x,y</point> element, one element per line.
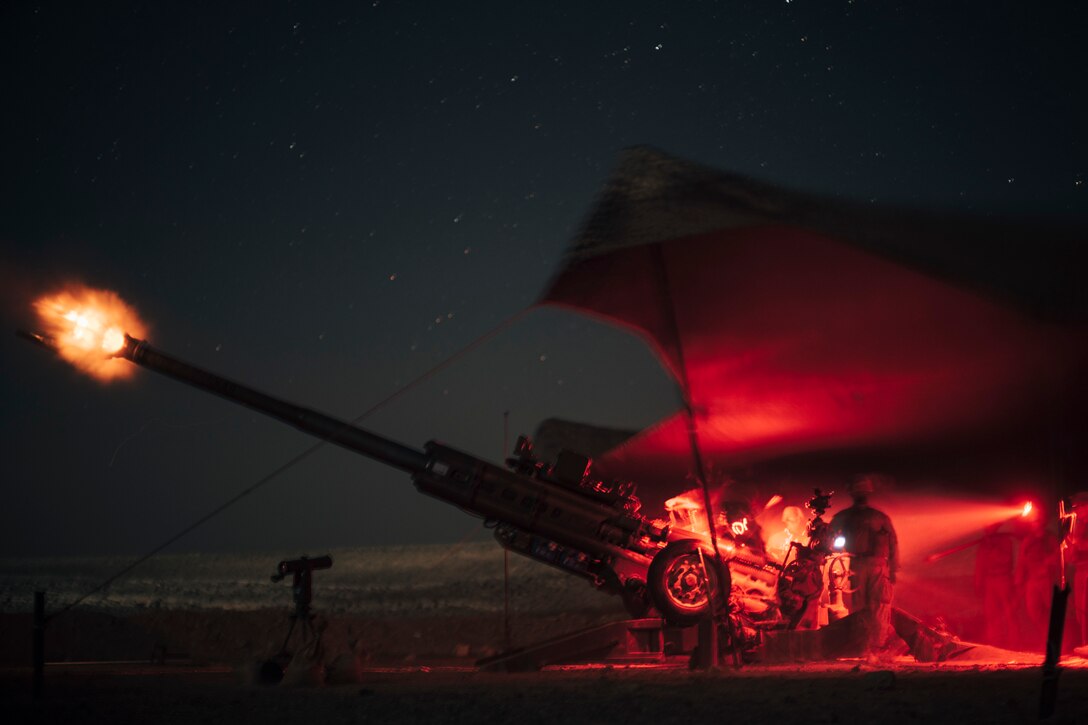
<point>560,514</point>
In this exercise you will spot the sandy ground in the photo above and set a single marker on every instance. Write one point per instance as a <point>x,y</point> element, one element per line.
<point>839,693</point>
<point>420,669</point>
<point>183,643</point>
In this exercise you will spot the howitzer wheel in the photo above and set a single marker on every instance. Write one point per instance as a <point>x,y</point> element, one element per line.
<point>682,578</point>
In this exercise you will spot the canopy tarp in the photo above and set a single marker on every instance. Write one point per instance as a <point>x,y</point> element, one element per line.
<point>804,325</point>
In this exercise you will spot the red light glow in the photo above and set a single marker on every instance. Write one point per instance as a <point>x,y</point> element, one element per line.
<point>931,523</point>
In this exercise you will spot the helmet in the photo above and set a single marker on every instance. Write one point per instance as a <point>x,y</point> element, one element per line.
<point>861,484</point>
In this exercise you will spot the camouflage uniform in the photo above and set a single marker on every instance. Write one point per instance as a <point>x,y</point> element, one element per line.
<point>1037,573</point>
<point>1077,561</point>
<point>994,585</point>
<point>874,559</point>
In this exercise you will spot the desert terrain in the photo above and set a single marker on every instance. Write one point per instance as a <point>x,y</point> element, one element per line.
<point>183,638</point>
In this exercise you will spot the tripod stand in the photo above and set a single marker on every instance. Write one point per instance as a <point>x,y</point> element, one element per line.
<point>302,617</point>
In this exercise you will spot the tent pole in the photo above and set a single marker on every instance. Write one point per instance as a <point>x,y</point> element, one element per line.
<point>693,436</point>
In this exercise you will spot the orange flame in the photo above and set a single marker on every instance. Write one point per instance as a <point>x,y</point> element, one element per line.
<point>88,327</point>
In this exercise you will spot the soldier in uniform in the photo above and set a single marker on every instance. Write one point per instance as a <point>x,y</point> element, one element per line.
<point>1077,563</point>
<point>995,585</point>
<point>869,538</point>
<point>1038,571</point>
<point>795,529</point>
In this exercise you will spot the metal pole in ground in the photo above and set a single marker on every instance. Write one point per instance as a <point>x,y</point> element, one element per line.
<point>505,551</point>
<point>39,643</point>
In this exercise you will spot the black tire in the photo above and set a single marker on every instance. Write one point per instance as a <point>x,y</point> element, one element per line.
<point>677,585</point>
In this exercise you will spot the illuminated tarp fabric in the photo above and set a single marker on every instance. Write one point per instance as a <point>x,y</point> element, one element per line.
<point>806,324</point>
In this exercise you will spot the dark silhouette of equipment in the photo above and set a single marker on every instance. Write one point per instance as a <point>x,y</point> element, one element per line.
<point>562,515</point>
<point>802,577</point>
<point>302,570</point>
<point>1048,696</point>
<point>559,514</point>
<point>302,585</point>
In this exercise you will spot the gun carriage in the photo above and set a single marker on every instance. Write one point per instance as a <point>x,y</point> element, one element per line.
<point>563,515</point>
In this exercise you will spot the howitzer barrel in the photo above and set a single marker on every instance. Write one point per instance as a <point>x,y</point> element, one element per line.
<point>326,427</point>
<point>568,515</point>
<point>582,525</point>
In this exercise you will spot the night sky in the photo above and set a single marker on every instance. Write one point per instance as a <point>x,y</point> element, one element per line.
<point>327,200</point>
